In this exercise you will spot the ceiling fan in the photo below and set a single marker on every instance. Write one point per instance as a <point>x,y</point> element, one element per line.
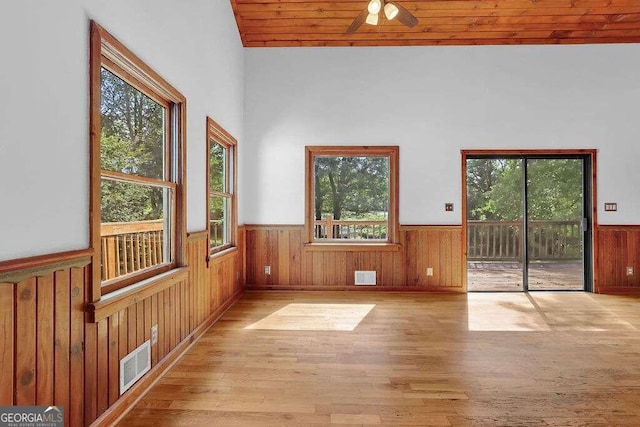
<point>391,10</point>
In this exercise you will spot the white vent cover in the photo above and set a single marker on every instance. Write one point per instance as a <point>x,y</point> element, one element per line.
<point>134,365</point>
<point>365,278</point>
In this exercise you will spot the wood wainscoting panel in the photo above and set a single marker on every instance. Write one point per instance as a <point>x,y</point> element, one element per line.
<point>436,247</point>
<point>294,266</point>
<point>52,353</point>
<point>618,248</point>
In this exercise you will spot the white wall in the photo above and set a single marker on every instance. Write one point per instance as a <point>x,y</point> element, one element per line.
<point>433,102</point>
<point>44,146</point>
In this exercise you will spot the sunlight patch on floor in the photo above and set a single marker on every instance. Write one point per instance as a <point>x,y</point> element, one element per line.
<point>503,312</point>
<point>540,311</point>
<point>315,317</point>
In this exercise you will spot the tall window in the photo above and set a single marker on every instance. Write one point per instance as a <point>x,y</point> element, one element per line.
<point>136,166</point>
<point>221,170</point>
<point>352,194</point>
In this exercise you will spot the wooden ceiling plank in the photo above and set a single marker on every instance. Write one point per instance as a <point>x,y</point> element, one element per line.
<point>441,22</point>
<point>363,43</point>
<point>331,14</point>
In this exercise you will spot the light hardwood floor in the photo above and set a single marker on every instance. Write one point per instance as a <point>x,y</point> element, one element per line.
<point>360,358</point>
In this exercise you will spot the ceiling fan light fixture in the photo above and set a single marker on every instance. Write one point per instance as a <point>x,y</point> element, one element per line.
<point>390,11</point>
<point>374,7</point>
<point>372,19</point>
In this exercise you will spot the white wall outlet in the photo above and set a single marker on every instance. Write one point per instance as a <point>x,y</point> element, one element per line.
<point>429,271</point>
<point>267,270</point>
<point>629,271</point>
<point>154,335</point>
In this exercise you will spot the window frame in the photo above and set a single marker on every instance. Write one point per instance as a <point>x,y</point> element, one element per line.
<point>218,135</point>
<point>106,51</point>
<point>392,153</point>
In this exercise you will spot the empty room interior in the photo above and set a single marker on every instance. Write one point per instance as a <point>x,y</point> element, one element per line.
<point>351,212</point>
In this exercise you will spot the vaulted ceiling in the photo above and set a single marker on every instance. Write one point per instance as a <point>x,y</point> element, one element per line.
<point>441,22</point>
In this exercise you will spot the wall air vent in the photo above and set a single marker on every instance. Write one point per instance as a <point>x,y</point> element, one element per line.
<point>365,278</point>
<point>134,365</point>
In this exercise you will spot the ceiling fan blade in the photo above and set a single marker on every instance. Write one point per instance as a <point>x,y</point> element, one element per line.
<point>404,15</point>
<point>358,22</point>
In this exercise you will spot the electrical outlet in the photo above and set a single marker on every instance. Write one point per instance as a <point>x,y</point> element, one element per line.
<point>629,271</point>
<point>154,334</point>
<point>429,271</point>
<point>267,270</point>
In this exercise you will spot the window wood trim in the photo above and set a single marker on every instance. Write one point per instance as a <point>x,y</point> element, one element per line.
<point>107,51</point>
<point>218,134</point>
<point>392,152</point>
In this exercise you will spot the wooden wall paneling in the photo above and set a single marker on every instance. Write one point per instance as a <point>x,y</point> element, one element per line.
<point>631,252</point>
<point>174,305</point>
<point>438,247</point>
<point>184,312</point>
<point>123,333</point>
<point>456,259</point>
<point>146,309</point>
<point>91,367</point>
<point>79,277</point>
<point>62,306</point>
<point>113,335</point>
<point>79,367</point>
<point>140,325</point>
<point>154,321</point>
<point>166,314</point>
<point>444,260</point>
<point>132,338</point>
<point>7,330</point>
<point>295,257</point>
<point>251,254</point>
<point>45,337</point>
<point>103,366</point>
<point>618,249</point>
<point>25,344</point>
<point>162,335</point>
<point>283,269</point>
<point>213,287</point>
<point>272,255</point>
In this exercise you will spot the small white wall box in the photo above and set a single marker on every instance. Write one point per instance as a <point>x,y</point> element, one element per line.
<point>365,278</point>
<point>134,365</point>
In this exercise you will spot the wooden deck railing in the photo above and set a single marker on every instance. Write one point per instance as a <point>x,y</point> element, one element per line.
<point>340,229</point>
<point>130,246</point>
<point>548,240</point>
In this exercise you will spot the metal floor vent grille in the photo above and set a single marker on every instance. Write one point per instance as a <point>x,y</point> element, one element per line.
<point>365,278</point>
<point>134,365</point>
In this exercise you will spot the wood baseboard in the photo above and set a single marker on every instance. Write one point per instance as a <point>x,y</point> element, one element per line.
<point>619,290</point>
<point>421,289</point>
<point>127,401</point>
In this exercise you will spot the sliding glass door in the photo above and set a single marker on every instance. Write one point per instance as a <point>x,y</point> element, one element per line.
<point>527,223</point>
<point>555,212</point>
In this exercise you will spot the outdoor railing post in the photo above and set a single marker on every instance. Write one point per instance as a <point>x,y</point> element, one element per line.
<point>329,226</point>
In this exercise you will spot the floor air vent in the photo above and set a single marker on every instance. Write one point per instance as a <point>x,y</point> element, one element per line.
<point>134,365</point>
<point>365,278</point>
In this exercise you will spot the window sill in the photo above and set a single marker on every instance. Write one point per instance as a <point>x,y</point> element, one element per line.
<point>118,300</point>
<point>220,255</point>
<point>352,247</point>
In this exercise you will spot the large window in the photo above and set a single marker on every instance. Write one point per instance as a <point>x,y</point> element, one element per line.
<point>352,194</point>
<point>136,152</point>
<point>221,171</point>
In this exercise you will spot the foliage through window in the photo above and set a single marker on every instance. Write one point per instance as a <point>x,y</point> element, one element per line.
<point>138,170</point>
<point>352,193</point>
<point>222,183</point>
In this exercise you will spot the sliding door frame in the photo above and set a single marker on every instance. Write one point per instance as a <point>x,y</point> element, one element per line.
<point>590,190</point>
